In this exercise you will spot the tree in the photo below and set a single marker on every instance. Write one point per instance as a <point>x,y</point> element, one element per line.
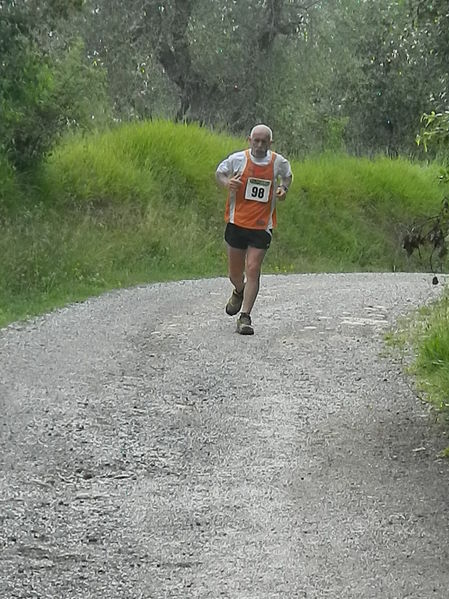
<point>335,74</point>
<point>214,56</point>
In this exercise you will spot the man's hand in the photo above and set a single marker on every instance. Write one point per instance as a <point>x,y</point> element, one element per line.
<point>281,193</point>
<point>234,182</point>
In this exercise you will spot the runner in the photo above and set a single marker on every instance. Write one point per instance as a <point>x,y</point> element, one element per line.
<point>256,179</point>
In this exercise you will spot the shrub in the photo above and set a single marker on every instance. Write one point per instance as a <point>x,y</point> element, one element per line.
<point>41,96</point>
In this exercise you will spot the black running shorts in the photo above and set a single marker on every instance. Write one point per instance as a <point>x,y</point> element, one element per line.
<point>240,238</point>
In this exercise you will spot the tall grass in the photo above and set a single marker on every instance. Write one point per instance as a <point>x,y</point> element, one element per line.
<point>11,194</point>
<point>350,213</point>
<point>432,354</point>
<point>425,339</point>
<point>139,203</point>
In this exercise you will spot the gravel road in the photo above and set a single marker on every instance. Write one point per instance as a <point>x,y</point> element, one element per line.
<point>149,451</point>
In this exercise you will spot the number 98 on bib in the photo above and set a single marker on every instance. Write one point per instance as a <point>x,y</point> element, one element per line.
<point>258,190</point>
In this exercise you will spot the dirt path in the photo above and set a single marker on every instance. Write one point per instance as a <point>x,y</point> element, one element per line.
<point>148,451</point>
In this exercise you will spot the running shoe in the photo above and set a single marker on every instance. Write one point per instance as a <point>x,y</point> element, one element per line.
<point>234,303</point>
<point>244,324</point>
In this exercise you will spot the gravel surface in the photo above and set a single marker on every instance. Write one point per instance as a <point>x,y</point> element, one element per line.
<point>149,451</point>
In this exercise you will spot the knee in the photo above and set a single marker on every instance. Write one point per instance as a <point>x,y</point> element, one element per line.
<point>253,271</point>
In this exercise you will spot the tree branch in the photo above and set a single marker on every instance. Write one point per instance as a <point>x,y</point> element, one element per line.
<point>276,23</point>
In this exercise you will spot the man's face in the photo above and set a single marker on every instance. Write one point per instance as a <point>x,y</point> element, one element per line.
<point>260,143</point>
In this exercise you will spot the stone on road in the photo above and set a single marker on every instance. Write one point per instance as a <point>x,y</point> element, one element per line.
<point>149,451</point>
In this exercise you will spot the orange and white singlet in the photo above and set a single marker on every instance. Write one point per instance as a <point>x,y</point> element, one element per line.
<point>253,206</point>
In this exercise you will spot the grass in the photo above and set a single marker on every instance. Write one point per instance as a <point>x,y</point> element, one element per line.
<point>349,214</point>
<point>423,340</point>
<point>431,366</point>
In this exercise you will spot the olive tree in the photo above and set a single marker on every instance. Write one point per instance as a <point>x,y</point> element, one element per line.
<point>205,60</point>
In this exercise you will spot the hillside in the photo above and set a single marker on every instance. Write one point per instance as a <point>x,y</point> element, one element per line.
<point>139,203</point>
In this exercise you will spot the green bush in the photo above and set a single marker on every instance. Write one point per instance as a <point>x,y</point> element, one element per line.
<point>42,95</point>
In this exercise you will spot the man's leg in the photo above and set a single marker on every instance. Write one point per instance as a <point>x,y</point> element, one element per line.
<point>236,267</point>
<point>254,259</point>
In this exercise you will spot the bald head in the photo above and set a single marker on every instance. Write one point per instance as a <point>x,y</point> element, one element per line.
<point>260,140</point>
<point>261,130</point>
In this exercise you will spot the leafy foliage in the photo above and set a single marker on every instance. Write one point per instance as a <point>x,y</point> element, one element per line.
<point>434,133</point>
<point>433,231</point>
<point>341,74</point>
<point>363,71</point>
<point>212,57</point>
<point>42,95</point>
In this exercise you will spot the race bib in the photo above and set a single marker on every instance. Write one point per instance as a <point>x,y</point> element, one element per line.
<point>258,190</point>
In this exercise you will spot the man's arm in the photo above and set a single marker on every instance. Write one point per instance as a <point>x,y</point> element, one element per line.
<point>281,191</point>
<point>284,177</point>
<point>286,181</point>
